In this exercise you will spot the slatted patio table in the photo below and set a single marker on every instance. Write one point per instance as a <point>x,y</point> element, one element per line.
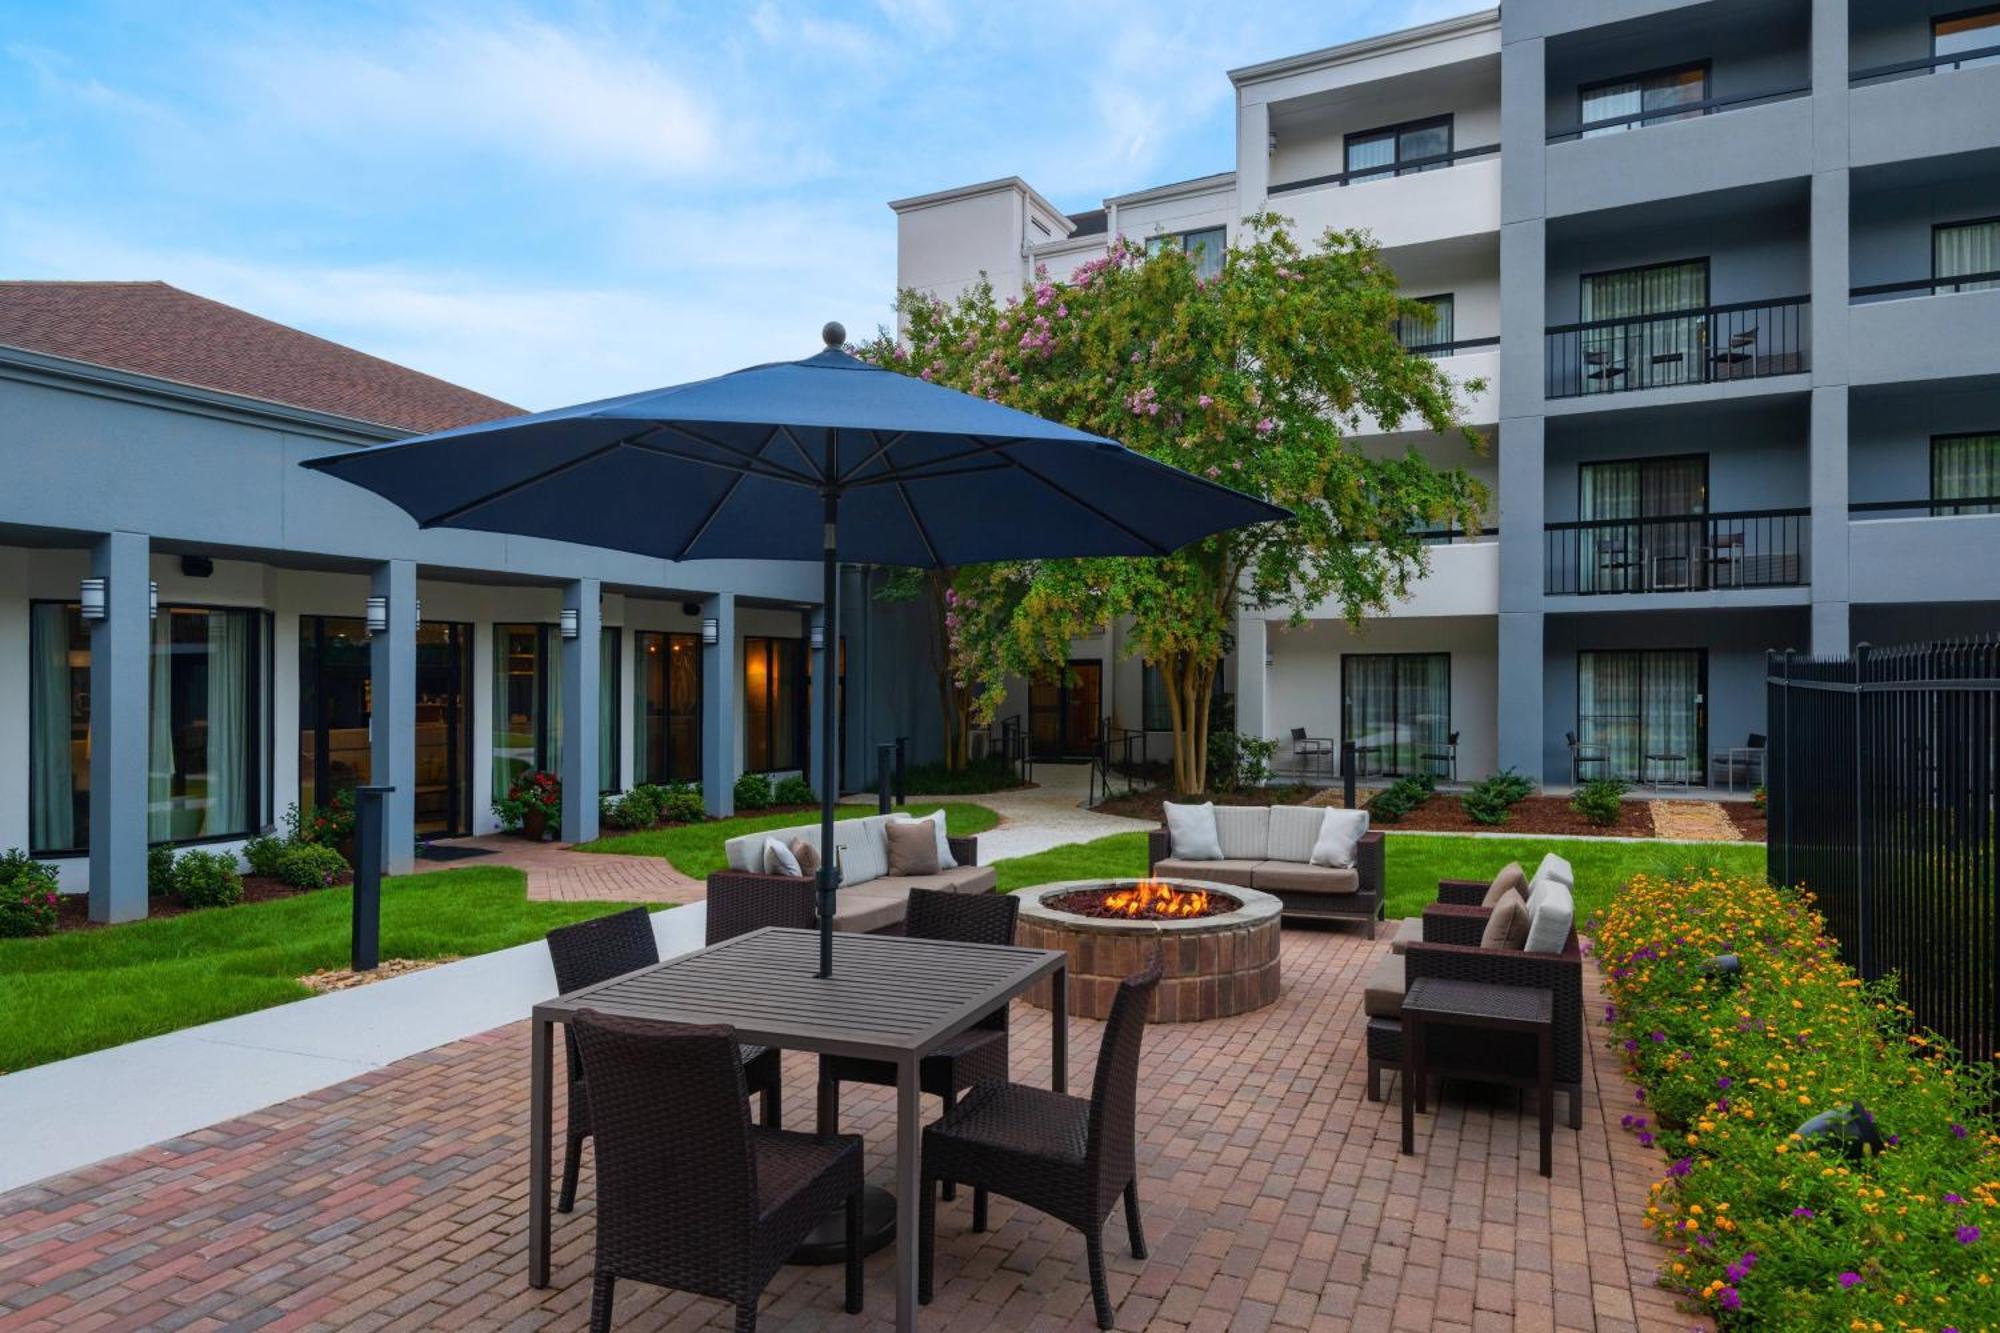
<point>889,999</point>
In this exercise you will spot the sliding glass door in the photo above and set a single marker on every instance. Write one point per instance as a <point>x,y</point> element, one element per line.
<point>58,729</point>
<point>1965,468</point>
<point>1639,706</point>
<point>1394,707</point>
<point>1639,351</point>
<point>1961,248</point>
<point>666,704</point>
<point>1634,557</point>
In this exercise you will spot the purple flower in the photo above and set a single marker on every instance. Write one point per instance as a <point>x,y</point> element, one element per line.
<point>1631,1045</point>
<point>1645,1139</point>
<point>1610,1012</point>
<point>1266,426</point>
<point>1849,1281</point>
<point>1638,1094</point>
<point>1954,1198</point>
<point>1806,1213</point>
<point>1958,1131</point>
<point>1725,1082</point>
<point>1682,1166</point>
<point>1728,1299</point>
<point>1967,1235</point>
<point>1657,1036</point>
<point>1722,1105</point>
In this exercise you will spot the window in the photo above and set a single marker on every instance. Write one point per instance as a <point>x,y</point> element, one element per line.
<point>608,676</point>
<point>1376,152</point>
<point>1965,467</point>
<point>1394,707</point>
<point>1974,31</point>
<point>1206,247</point>
<point>58,729</point>
<point>666,703</point>
<point>773,714</point>
<point>1428,335</point>
<point>1155,714</point>
<point>1634,557</point>
<point>1650,97</point>
<point>1959,248</point>
<point>527,693</point>
<point>1643,711</point>
<point>1639,349</point>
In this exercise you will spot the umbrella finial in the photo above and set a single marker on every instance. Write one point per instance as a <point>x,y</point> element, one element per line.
<point>835,333</point>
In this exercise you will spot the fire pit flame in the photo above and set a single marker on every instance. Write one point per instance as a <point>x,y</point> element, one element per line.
<point>1152,899</point>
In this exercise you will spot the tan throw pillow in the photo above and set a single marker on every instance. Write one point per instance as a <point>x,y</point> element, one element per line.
<point>912,847</point>
<point>1507,927</point>
<point>1512,877</point>
<point>806,855</point>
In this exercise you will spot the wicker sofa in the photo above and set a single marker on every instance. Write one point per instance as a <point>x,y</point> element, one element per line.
<point>1449,948</point>
<point>1274,857</point>
<point>744,897</point>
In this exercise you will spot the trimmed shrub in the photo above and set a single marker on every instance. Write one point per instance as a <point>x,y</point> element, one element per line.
<point>261,854</point>
<point>28,892</point>
<point>1488,801</point>
<point>681,803</point>
<point>1765,1227</point>
<point>1237,762</point>
<point>793,790</point>
<point>1600,801</point>
<point>310,866</point>
<point>159,871</point>
<point>636,809</point>
<point>207,879</point>
<point>753,792</point>
<point>987,773</point>
<point>1400,797</point>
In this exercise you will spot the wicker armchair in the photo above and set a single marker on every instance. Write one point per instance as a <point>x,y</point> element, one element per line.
<point>1070,1158</point>
<point>690,1194</point>
<point>977,1055</point>
<point>741,901</point>
<point>598,950</point>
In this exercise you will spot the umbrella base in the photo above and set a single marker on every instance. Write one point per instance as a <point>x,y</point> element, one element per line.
<point>827,1242</point>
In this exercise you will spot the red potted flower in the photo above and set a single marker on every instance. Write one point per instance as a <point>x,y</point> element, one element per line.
<point>531,804</point>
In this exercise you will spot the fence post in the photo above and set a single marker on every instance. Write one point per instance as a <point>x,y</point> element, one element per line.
<point>1347,774</point>
<point>1864,949</point>
<point>885,760</point>
<point>365,937</point>
<point>902,786</point>
<point>1785,768</point>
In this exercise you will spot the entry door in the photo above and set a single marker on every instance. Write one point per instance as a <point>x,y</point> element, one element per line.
<point>1635,704</point>
<point>668,707</point>
<point>444,729</point>
<point>1064,714</point>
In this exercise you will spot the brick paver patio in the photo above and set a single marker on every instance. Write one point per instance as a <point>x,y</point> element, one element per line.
<point>557,874</point>
<point>1274,1197</point>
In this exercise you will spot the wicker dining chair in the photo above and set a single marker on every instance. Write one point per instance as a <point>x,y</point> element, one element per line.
<point>598,950</point>
<point>976,1055</point>
<point>690,1194</point>
<point>1068,1157</point>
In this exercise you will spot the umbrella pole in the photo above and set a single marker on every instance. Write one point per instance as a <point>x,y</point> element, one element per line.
<point>826,681</point>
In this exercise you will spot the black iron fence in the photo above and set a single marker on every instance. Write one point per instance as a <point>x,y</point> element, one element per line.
<point>1881,772</point>
<point>1745,340</point>
<point>1749,548</point>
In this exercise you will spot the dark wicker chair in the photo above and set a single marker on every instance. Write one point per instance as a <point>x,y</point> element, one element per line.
<point>976,1055</point>
<point>690,1194</point>
<point>598,950</point>
<point>1070,1158</point>
<point>740,901</point>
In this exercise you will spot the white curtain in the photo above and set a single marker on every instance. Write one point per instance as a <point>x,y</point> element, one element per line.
<point>52,776</point>
<point>160,769</point>
<point>552,668</point>
<point>1968,247</point>
<point>1645,352</point>
<point>228,720</point>
<point>1965,467</point>
<point>607,710</point>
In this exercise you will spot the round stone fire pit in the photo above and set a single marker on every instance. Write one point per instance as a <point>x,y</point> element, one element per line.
<point>1221,962</point>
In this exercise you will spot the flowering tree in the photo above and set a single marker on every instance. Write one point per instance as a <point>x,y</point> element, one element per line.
<point>1252,378</point>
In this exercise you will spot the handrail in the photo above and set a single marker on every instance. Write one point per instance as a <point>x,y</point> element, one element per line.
<point>1411,165</point>
<point>1450,348</point>
<point>1677,553</point>
<point>1930,284</point>
<point>1955,59</point>
<point>1677,110</point>
<point>1929,503</point>
<point>1661,316</point>
<point>1800,511</point>
<point>1456,534</point>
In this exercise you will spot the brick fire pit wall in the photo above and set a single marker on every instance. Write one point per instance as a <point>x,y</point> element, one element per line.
<point>1212,966</point>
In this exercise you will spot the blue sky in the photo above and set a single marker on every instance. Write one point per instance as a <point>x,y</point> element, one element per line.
<point>557,203</point>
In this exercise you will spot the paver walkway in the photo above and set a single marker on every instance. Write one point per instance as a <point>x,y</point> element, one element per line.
<point>1693,821</point>
<point>1049,814</point>
<point>1273,1192</point>
<point>557,874</point>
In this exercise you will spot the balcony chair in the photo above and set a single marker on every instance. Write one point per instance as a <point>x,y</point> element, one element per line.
<point>1306,748</point>
<point>1581,754</point>
<point>1724,554</point>
<point>690,1194</point>
<point>1442,759</point>
<point>1740,348</point>
<point>1061,1155</point>
<point>1747,759</point>
<point>598,950</point>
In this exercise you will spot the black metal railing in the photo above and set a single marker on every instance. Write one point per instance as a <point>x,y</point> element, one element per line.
<point>1928,507</point>
<point>1932,286</point>
<point>1455,536</point>
<point>1881,774</point>
<point>1746,340</point>
<point>1923,65</point>
<point>1408,167</point>
<point>1748,548</point>
<point>1115,760</point>
<point>1707,106</point>
<point>1011,739</point>
<point>1435,350</point>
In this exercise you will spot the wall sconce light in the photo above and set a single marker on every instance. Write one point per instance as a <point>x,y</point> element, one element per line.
<point>818,637</point>
<point>378,615</point>
<point>711,631</point>
<point>420,612</point>
<point>569,622</point>
<point>1270,655</point>
<point>152,600</point>
<point>92,597</point>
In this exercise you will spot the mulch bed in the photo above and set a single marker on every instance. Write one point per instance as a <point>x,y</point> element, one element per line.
<point>1749,820</point>
<point>1444,813</point>
<point>1146,804</point>
<point>73,909</point>
<point>330,979</point>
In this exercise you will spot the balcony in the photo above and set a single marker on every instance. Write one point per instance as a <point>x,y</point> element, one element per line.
<point>1915,552</point>
<point>1898,111</point>
<point>1748,548</point>
<point>1414,202</point>
<point>1744,341</point>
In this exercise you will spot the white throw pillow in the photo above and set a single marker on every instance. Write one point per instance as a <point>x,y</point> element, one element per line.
<point>1191,831</point>
<point>936,819</point>
<point>778,859</point>
<point>1549,920</point>
<point>1340,833</point>
<point>1555,868</point>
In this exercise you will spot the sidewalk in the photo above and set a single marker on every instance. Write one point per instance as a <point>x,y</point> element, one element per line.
<point>1034,819</point>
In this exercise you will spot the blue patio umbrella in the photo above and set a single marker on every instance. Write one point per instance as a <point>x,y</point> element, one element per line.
<point>828,458</point>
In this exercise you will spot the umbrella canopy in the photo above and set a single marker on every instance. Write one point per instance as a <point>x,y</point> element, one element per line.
<point>736,467</point>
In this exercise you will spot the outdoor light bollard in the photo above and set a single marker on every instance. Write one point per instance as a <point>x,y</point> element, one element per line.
<point>885,759</point>
<point>365,948</point>
<point>1347,774</point>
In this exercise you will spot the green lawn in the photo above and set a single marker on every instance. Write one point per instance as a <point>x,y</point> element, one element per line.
<point>696,849</point>
<point>1416,862</point>
<point>87,989</point>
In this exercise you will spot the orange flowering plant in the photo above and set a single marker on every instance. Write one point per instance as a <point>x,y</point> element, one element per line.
<point>1767,1226</point>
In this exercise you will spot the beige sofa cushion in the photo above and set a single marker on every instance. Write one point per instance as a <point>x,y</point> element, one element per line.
<point>1290,877</point>
<point>1294,830</point>
<point>958,879</point>
<point>871,907</point>
<point>1507,927</point>
<point>1244,831</point>
<point>1410,930</point>
<point>1383,995</point>
<point>1511,879</point>
<point>1222,872</point>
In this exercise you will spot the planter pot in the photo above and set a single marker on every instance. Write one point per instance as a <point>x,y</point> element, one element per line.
<point>534,825</point>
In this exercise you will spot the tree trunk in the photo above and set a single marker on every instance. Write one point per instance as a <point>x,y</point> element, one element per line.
<point>953,710</point>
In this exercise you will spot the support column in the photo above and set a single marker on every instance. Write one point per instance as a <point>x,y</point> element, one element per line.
<point>1826,562</point>
<point>392,717</point>
<point>823,677</point>
<point>1253,694</point>
<point>719,684</point>
<point>581,664</point>
<point>1522,745</point>
<point>120,765</point>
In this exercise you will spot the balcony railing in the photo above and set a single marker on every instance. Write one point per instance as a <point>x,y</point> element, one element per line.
<point>1707,106</point>
<point>1925,508</point>
<point>1904,69</point>
<point>1436,350</point>
<point>1932,286</point>
<point>1408,167</point>
<point>1748,340</point>
<point>1749,548</point>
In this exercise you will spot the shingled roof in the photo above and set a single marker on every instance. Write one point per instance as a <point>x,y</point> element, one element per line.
<point>150,328</point>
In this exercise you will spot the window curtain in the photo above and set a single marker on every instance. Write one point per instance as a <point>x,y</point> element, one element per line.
<point>1423,707</point>
<point>160,767</point>
<point>552,699</point>
<point>1423,141</point>
<point>1420,332</point>
<point>51,768</point>
<point>1608,102</point>
<point>1207,249</point>
<point>1607,713</point>
<point>1642,351</point>
<point>607,711</point>
<point>1378,150</point>
<point>228,718</point>
<point>1669,715</point>
<point>517,702</point>
<point>1965,467</point>
<point>1157,715</point>
<point>1968,247</point>
<point>1607,557</point>
<point>1368,708</point>
<point>1629,97</point>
